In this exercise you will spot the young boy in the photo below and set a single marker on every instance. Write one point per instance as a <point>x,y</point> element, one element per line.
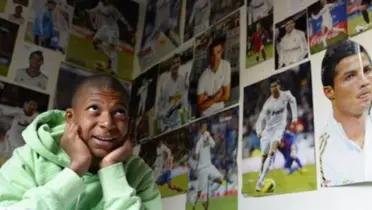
<point>80,158</point>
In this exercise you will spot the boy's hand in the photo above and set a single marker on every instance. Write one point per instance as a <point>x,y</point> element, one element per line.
<point>118,155</point>
<point>76,148</point>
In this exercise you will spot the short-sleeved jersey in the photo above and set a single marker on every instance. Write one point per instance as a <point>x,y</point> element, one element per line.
<point>211,82</point>
<point>341,160</point>
<point>39,81</point>
<point>19,20</point>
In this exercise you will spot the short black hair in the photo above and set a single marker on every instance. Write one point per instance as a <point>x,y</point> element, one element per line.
<point>334,55</point>
<point>219,40</point>
<point>37,52</point>
<point>274,80</point>
<point>177,55</point>
<point>290,19</point>
<point>100,81</point>
<point>52,2</point>
<point>204,122</point>
<point>18,6</point>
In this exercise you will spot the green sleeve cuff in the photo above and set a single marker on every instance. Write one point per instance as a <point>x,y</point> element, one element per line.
<point>114,181</point>
<point>67,185</point>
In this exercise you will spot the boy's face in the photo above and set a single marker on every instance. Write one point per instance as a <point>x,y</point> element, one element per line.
<point>352,85</point>
<point>101,115</point>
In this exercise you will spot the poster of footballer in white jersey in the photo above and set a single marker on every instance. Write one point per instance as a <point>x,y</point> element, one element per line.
<point>260,32</point>
<point>278,134</point>
<point>173,108</point>
<point>291,45</point>
<point>214,81</point>
<point>213,178</point>
<point>167,155</point>
<point>18,107</point>
<point>35,67</point>
<point>161,32</point>
<point>103,36</point>
<point>142,104</point>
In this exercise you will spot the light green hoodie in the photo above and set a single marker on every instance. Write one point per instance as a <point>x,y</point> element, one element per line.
<point>37,177</point>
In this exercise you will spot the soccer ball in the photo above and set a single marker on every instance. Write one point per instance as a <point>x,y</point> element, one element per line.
<point>360,28</point>
<point>269,185</point>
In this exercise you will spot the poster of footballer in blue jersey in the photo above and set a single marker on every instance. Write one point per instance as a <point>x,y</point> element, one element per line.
<point>49,23</point>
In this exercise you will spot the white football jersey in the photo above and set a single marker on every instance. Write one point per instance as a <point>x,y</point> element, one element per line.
<point>108,14</point>
<point>39,81</point>
<point>341,160</point>
<point>203,150</point>
<point>292,48</point>
<point>274,112</point>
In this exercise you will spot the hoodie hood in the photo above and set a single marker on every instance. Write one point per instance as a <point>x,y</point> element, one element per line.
<point>43,136</point>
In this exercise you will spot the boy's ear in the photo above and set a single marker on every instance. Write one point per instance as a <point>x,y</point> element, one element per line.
<point>69,114</point>
<point>329,92</point>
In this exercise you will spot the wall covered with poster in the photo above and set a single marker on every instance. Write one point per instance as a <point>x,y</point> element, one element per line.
<point>255,104</point>
<point>295,141</point>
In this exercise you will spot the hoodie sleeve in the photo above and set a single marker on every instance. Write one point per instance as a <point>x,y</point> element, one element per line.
<point>19,189</point>
<point>142,194</point>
